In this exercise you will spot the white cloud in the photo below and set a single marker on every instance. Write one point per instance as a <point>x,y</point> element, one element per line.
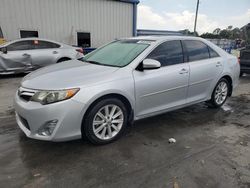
<point>148,19</point>
<point>185,20</point>
<point>240,20</point>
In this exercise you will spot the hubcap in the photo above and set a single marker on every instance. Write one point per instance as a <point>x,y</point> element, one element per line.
<point>108,122</point>
<point>221,92</point>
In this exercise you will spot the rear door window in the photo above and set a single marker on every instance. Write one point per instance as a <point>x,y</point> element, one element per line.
<point>21,45</point>
<point>212,53</point>
<point>196,50</point>
<point>168,53</point>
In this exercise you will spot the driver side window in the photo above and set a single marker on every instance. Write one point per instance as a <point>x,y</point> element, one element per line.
<point>168,53</point>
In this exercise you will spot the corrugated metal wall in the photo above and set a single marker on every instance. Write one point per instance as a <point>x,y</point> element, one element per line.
<point>60,19</point>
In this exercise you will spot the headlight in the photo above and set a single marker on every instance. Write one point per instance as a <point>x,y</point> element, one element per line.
<point>48,97</point>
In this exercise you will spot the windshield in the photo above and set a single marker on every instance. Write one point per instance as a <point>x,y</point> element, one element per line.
<point>118,53</point>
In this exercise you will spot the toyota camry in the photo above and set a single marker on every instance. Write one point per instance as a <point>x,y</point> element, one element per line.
<point>97,97</point>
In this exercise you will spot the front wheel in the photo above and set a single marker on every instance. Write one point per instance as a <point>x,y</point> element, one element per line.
<point>105,122</point>
<point>220,93</point>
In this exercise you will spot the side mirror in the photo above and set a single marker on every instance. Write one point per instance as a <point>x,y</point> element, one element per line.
<point>4,50</point>
<point>148,64</point>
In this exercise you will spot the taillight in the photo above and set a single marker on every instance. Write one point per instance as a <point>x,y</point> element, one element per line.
<point>79,50</point>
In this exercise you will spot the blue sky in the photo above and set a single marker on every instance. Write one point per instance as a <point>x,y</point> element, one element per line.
<point>179,14</point>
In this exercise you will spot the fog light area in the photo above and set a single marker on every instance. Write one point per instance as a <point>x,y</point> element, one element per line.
<point>48,128</point>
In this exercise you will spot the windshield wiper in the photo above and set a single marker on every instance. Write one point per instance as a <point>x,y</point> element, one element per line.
<point>98,63</point>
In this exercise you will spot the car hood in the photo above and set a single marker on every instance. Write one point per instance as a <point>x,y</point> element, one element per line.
<point>68,74</point>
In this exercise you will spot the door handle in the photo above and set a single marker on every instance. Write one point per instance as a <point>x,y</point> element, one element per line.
<point>26,54</point>
<point>183,71</point>
<point>218,64</point>
<point>55,52</point>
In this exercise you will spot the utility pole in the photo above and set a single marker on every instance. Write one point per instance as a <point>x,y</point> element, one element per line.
<point>196,15</point>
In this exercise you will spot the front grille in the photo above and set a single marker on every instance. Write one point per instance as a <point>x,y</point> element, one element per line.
<point>25,94</point>
<point>24,122</point>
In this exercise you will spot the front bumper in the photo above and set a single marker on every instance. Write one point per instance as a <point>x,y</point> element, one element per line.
<point>30,116</point>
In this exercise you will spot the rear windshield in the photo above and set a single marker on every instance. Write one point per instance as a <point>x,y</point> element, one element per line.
<point>118,53</point>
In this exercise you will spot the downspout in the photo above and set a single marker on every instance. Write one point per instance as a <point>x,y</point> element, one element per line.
<point>135,18</point>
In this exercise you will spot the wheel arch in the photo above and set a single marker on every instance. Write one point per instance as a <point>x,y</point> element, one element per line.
<point>63,59</point>
<point>121,97</point>
<point>230,81</point>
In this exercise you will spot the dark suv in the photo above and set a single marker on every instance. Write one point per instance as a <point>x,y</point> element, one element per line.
<point>245,61</point>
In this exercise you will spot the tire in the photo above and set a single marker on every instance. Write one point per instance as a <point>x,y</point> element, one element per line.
<point>63,59</point>
<point>104,131</point>
<point>215,101</point>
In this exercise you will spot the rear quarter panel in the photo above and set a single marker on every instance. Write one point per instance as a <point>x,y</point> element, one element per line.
<point>70,52</point>
<point>232,69</point>
<point>231,66</point>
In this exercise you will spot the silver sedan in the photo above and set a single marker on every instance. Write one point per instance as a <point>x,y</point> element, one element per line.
<point>129,79</point>
<point>25,55</point>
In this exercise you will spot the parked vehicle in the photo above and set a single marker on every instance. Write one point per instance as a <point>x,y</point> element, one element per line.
<point>245,60</point>
<point>25,55</point>
<point>129,79</point>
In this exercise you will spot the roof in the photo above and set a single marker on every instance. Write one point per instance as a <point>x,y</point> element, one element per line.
<point>31,38</point>
<point>147,32</point>
<point>160,39</point>
<point>163,38</point>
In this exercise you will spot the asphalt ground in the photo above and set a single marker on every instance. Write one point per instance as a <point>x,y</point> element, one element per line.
<point>212,150</point>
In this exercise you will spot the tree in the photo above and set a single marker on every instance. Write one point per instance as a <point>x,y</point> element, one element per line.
<point>246,33</point>
<point>225,34</point>
<point>187,32</point>
<point>229,33</point>
<point>209,36</point>
<point>230,27</point>
<point>236,33</point>
<point>217,31</point>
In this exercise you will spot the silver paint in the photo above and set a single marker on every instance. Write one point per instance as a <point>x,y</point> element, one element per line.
<point>149,92</point>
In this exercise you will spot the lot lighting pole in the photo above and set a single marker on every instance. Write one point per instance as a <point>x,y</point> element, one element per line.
<point>196,15</point>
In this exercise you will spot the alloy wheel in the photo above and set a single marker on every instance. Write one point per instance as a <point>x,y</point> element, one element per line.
<point>221,93</point>
<point>108,122</point>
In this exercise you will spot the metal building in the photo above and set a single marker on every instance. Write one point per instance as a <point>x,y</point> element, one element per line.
<point>87,23</point>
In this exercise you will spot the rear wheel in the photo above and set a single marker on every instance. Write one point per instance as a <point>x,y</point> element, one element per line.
<point>105,122</point>
<point>220,93</point>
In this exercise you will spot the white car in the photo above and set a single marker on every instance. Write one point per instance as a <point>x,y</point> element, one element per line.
<point>25,55</point>
<point>126,80</point>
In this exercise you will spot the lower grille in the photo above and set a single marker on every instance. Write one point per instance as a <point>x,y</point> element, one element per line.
<point>24,122</point>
